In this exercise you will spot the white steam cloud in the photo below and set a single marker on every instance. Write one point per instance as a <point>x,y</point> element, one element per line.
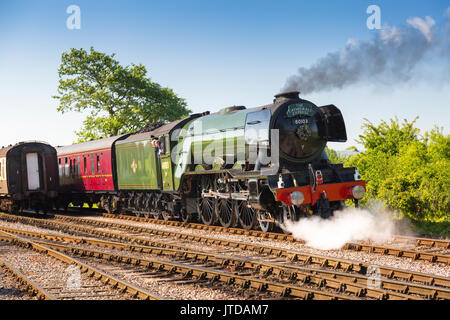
<point>392,56</point>
<point>348,225</point>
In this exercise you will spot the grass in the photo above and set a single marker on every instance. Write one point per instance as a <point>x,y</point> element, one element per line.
<point>432,229</point>
<point>425,228</point>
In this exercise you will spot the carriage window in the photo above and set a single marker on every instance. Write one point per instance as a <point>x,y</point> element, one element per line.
<point>98,163</point>
<point>93,164</point>
<point>66,167</point>
<point>78,166</point>
<point>85,166</point>
<point>74,168</point>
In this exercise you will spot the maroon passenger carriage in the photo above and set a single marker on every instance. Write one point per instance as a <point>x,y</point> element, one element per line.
<point>86,171</point>
<point>28,177</point>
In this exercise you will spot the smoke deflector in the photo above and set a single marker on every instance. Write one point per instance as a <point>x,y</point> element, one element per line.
<point>333,124</point>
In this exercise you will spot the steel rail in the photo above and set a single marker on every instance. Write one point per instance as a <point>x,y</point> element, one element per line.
<point>99,275</point>
<point>207,273</point>
<point>294,274</point>
<point>427,242</point>
<point>415,255</point>
<point>199,226</point>
<point>397,252</point>
<point>305,258</point>
<point>30,286</point>
<point>384,250</point>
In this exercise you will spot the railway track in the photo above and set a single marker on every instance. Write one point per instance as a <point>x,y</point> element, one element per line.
<point>395,282</point>
<point>365,247</point>
<point>336,282</point>
<point>432,257</point>
<point>425,242</point>
<point>16,285</point>
<point>417,247</point>
<point>42,272</point>
<point>211,273</point>
<point>419,242</point>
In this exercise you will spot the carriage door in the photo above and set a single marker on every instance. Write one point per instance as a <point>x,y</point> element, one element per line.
<point>33,171</point>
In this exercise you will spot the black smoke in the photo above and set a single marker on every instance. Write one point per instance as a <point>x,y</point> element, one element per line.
<point>390,57</point>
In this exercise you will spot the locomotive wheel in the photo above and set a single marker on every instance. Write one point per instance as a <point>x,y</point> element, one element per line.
<point>147,206</point>
<point>106,204</point>
<point>265,225</point>
<point>166,215</point>
<point>184,216</point>
<point>114,205</point>
<point>247,215</point>
<point>207,208</point>
<point>155,212</point>
<point>207,211</point>
<point>289,214</point>
<point>156,215</point>
<point>139,203</point>
<point>226,212</point>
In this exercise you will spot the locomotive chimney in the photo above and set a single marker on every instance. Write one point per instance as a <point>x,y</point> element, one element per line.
<point>286,95</point>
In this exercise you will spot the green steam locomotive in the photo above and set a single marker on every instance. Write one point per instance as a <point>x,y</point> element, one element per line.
<point>253,167</point>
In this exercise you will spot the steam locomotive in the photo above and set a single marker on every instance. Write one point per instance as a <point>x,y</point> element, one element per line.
<point>253,167</point>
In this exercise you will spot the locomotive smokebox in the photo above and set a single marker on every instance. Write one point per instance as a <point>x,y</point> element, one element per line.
<point>300,125</point>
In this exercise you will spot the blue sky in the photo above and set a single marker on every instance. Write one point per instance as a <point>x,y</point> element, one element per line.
<point>212,53</point>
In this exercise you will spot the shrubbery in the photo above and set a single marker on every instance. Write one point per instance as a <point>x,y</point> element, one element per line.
<point>409,172</point>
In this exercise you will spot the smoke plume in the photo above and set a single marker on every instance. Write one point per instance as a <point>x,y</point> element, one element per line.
<point>391,56</point>
<point>350,224</point>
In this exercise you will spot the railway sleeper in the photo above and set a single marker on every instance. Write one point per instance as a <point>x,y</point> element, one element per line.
<point>397,273</point>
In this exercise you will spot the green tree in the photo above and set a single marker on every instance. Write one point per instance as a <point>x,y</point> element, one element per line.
<point>408,172</point>
<point>335,156</point>
<point>119,99</point>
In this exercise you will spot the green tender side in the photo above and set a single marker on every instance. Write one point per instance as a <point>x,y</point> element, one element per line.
<point>137,166</point>
<point>217,130</point>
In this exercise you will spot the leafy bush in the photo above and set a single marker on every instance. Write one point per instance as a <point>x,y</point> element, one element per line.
<point>410,173</point>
